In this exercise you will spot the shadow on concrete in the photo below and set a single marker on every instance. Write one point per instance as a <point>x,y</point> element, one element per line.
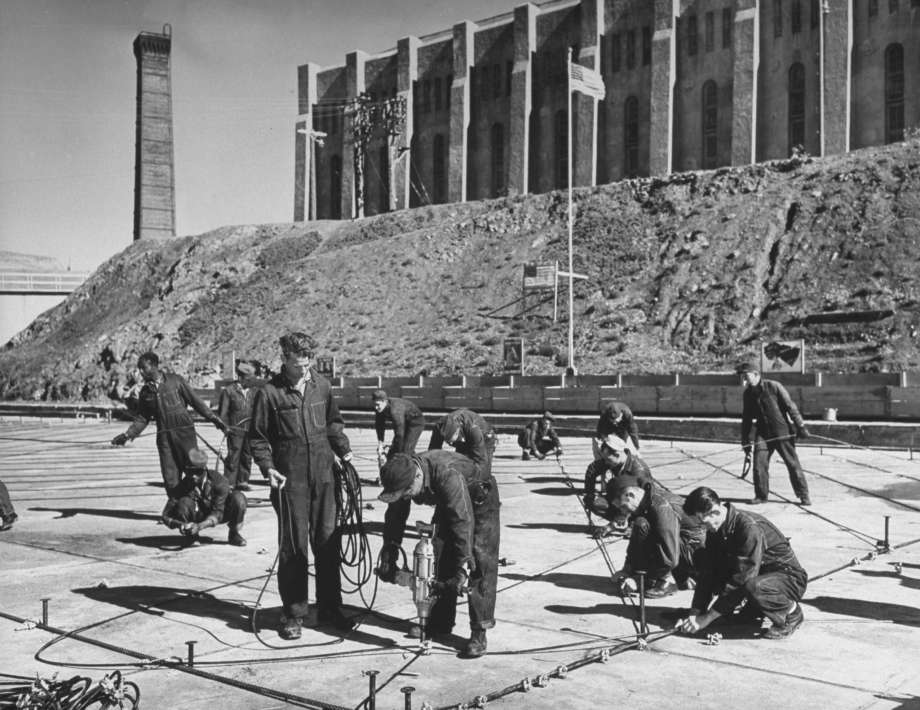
<point>103,512</point>
<point>908,582</point>
<point>896,613</point>
<point>543,479</point>
<point>586,582</point>
<point>555,491</point>
<point>558,527</point>
<point>268,620</point>
<point>901,490</point>
<point>911,702</point>
<point>153,600</point>
<point>169,543</point>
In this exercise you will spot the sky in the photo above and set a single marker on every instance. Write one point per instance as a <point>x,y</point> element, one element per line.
<point>67,108</point>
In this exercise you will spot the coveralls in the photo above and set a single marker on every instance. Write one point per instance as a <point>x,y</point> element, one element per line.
<point>299,436</point>
<point>663,537</point>
<point>770,406</point>
<point>408,424</point>
<point>478,437</point>
<point>539,437</point>
<point>626,428</point>
<point>467,528</point>
<point>166,401</point>
<point>748,557</point>
<point>235,408</point>
<point>7,511</point>
<point>212,498</point>
<point>600,469</point>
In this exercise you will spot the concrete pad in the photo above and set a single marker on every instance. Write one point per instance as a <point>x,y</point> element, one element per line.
<point>88,540</point>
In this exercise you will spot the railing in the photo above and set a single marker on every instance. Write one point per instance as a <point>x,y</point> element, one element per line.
<point>23,282</point>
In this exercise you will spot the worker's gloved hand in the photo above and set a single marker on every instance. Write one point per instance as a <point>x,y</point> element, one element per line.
<point>456,584</point>
<point>120,440</point>
<point>189,529</point>
<point>347,457</point>
<point>802,432</point>
<point>748,450</point>
<point>386,569</point>
<point>221,426</point>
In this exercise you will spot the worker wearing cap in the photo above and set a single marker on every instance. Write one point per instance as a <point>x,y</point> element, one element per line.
<point>235,408</point>
<point>768,404</point>
<point>295,433</point>
<point>467,526</point>
<point>8,514</point>
<point>662,540</point>
<point>407,421</point>
<point>746,559</point>
<point>165,397</point>
<point>204,500</point>
<point>469,434</point>
<point>539,437</point>
<point>615,458</point>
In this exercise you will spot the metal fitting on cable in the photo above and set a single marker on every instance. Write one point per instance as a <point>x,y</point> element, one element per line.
<point>713,639</point>
<point>191,653</point>
<point>525,685</point>
<point>562,671</point>
<point>604,655</point>
<point>480,701</point>
<point>642,644</point>
<point>427,706</point>
<point>407,691</point>
<point>541,681</point>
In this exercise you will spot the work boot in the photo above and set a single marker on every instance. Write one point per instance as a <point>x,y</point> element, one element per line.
<point>805,500</point>
<point>336,618</point>
<point>525,456</point>
<point>476,646</point>
<point>793,621</point>
<point>663,587</point>
<point>234,538</point>
<point>431,631</point>
<point>757,501</point>
<point>291,628</point>
<point>7,522</point>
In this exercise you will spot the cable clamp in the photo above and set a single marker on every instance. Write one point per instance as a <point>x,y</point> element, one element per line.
<point>525,685</point>
<point>562,671</point>
<point>541,681</point>
<point>604,656</point>
<point>713,639</point>
<point>480,701</point>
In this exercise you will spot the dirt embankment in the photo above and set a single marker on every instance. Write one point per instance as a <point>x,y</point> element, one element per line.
<point>685,273</point>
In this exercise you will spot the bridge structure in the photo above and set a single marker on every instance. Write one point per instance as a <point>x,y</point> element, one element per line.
<point>24,295</point>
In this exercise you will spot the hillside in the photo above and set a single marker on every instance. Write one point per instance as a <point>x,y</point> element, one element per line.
<point>685,273</point>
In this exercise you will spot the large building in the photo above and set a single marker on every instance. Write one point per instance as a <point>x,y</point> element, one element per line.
<point>480,109</point>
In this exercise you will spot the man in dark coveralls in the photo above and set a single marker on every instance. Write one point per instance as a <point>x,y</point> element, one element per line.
<point>615,458</point>
<point>617,418</point>
<point>205,500</point>
<point>469,434</point>
<point>769,405</point>
<point>295,434</point>
<point>235,408</point>
<point>539,437</point>
<point>467,528</point>
<point>746,558</point>
<point>407,420</point>
<point>165,398</point>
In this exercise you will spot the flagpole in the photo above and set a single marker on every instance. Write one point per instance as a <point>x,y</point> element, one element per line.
<point>568,73</point>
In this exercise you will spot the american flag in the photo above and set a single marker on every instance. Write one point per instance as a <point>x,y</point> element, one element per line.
<point>587,81</point>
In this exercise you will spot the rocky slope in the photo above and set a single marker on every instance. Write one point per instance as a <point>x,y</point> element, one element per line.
<point>685,273</point>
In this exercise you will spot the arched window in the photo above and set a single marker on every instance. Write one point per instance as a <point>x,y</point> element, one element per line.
<point>796,89</point>
<point>439,168</point>
<point>335,187</point>
<point>561,150</point>
<point>710,125</point>
<point>631,137</point>
<point>497,146</point>
<point>894,93</point>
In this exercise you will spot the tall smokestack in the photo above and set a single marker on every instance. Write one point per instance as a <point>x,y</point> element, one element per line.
<point>154,175</point>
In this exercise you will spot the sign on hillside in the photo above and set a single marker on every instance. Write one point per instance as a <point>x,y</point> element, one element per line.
<point>539,277</point>
<point>782,356</point>
<point>513,355</point>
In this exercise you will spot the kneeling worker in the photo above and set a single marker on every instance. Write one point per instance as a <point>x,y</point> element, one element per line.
<point>747,558</point>
<point>614,459</point>
<point>538,438</point>
<point>466,520</point>
<point>204,500</point>
<point>662,540</point>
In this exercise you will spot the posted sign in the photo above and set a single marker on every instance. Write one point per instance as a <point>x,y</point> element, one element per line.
<point>782,356</point>
<point>513,355</point>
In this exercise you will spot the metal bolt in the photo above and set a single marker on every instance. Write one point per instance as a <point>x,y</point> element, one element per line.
<point>372,692</point>
<point>45,601</point>
<point>191,653</point>
<point>407,691</point>
<point>643,627</point>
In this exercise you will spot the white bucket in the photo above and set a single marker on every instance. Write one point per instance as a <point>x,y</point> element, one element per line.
<point>830,414</point>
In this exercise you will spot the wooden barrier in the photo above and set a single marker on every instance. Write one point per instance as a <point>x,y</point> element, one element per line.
<point>572,400</point>
<point>475,398</point>
<point>518,399</point>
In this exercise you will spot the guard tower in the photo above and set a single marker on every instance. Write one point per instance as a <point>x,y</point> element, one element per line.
<point>154,182</point>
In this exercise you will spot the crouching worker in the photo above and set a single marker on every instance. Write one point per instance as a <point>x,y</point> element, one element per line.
<point>466,520</point>
<point>746,559</point>
<point>538,438</point>
<point>615,459</point>
<point>204,500</point>
<point>663,539</point>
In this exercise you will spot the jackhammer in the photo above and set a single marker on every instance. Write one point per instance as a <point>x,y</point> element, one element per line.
<point>421,578</point>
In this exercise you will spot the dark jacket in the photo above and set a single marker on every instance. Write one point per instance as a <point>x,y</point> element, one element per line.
<point>770,406</point>
<point>478,437</point>
<point>167,402</point>
<point>664,513</point>
<point>209,497</point>
<point>235,405</point>
<point>626,428</point>
<point>744,547</point>
<point>403,415</point>
<point>451,483</point>
<point>297,434</point>
<point>537,430</point>
<point>633,466</point>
